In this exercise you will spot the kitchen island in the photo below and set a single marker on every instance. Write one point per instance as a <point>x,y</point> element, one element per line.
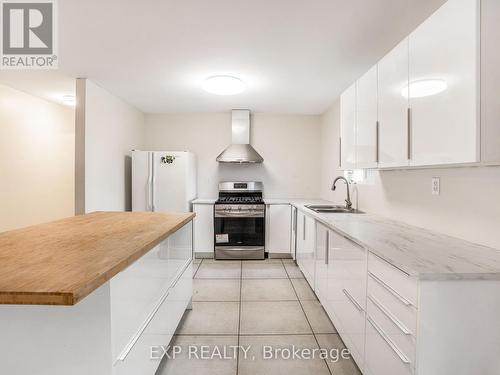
<point>93,293</point>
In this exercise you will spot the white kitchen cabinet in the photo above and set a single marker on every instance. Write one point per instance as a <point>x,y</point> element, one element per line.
<point>148,300</point>
<point>393,107</point>
<point>278,229</point>
<point>203,230</point>
<point>346,293</point>
<point>444,126</point>
<point>306,232</point>
<point>347,142</point>
<point>367,120</point>
<point>321,266</point>
<point>293,240</point>
<point>395,323</point>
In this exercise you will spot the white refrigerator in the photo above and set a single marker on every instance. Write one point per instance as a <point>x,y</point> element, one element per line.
<point>164,181</point>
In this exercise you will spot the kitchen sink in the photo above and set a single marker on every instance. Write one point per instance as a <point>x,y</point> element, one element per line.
<point>323,208</point>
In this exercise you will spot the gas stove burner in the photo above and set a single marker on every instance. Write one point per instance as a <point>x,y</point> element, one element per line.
<point>240,200</point>
<point>240,193</point>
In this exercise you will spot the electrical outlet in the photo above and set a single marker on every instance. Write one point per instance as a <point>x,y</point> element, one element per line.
<point>435,188</point>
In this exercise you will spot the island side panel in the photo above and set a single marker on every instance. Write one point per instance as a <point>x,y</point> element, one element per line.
<point>57,340</point>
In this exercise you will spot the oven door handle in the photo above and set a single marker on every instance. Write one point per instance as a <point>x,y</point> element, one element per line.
<point>246,213</point>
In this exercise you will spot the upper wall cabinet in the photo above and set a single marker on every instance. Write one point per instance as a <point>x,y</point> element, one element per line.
<point>443,90</point>
<point>347,142</point>
<point>393,107</point>
<point>434,96</point>
<point>366,120</point>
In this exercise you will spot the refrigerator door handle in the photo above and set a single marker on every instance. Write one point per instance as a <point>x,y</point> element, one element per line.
<point>153,180</point>
<point>149,202</point>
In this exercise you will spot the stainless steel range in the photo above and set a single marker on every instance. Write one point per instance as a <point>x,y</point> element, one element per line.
<point>239,221</point>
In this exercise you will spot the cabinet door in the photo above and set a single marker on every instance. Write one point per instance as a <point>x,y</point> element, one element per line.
<point>321,266</point>
<point>444,126</point>
<point>393,107</point>
<point>203,228</point>
<point>279,218</point>
<point>366,120</point>
<point>300,240</point>
<point>348,128</point>
<point>306,232</point>
<point>293,240</point>
<point>346,296</point>
<point>310,250</point>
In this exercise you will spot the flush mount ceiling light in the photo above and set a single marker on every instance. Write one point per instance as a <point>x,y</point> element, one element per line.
<point>223,85</point>
<point>424,87</point>
<point>69,100</point>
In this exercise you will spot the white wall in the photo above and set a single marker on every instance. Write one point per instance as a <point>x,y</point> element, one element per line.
<point>288,143</point>
<point>468,207</point>
<point>112,128</point>
<point>36,160</point>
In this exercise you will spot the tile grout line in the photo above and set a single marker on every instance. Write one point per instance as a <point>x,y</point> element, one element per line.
<point>239,321</point>
<point>310,326</point>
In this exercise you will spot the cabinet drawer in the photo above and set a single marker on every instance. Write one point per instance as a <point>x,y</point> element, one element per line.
<point>159,330</point>
<point>401,285</point>
<point>349,264</point>
<point>355,276</point>
<point>394,329</point>
<point>352,324</point>
<point>381,356</point>
<point>406,314</point>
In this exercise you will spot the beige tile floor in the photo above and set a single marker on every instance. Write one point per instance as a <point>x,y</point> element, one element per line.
<point>256,305</point>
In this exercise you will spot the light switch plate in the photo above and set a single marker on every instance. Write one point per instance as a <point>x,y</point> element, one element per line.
<point>436,188</point>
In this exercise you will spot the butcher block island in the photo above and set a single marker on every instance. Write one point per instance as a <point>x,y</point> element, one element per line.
<point>93,294</point>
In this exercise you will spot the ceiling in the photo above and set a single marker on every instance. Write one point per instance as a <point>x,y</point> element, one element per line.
<point>296,56</point>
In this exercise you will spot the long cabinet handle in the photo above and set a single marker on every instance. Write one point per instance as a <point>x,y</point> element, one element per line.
<point>303,228</point>
<point>390,315</point>
<point>327,246</point>
<point>409,126</point>
<point>353,301</point>
<point>388,341</point>
<point>390,289</point>
<point>340,152</point>
<point>153,179</point>
<point>377,137</point>
<point>150,183</point>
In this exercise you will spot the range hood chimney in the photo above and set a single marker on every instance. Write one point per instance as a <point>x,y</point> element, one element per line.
<point>240,151</point>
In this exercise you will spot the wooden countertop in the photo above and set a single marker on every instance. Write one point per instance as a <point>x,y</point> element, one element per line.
<point>61,262</point>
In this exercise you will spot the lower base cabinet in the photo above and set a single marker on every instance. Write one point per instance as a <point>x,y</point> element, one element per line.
<point>148,300</point>
<point>346,281</point>
<point>278,230</point>
<point>306,240</point>
<point>203,230</point>
<point>397,324</point>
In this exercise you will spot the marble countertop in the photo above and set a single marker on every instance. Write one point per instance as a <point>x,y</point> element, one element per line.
<point>418,252</point>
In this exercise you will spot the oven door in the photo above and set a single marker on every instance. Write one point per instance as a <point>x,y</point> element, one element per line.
<point>239,232</point>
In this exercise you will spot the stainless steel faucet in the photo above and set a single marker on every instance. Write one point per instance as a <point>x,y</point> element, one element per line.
<point>348,203</point>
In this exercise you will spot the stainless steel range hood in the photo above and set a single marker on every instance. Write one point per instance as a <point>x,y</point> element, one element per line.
<point>240,151</point>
